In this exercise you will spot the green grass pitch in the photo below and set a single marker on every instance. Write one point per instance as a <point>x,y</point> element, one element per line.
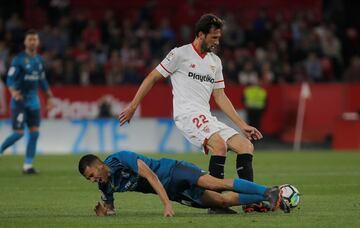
<point>60,197</point>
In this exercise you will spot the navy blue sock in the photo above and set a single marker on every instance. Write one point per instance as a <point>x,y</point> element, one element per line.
<point>244,186</point>
<point>9,141</point>
<point>31,147</point>
<point>250,198</point>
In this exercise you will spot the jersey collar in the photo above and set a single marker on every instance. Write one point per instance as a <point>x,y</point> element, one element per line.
<point>202,55</point>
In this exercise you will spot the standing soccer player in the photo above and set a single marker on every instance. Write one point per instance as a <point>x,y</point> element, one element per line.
<point>196,73</point>
<point>25,75</point>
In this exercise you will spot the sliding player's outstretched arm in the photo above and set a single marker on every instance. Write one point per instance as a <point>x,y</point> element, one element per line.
<point>150,176</point>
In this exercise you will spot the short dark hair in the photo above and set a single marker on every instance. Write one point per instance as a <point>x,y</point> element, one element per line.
<point>87,160</point>
<point>31,32</point>
<point>206,22</point>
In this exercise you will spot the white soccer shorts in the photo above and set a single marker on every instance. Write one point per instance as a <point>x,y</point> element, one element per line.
<point>198,127</point>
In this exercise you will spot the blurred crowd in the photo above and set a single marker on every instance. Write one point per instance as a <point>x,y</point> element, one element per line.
<point>81,50</point>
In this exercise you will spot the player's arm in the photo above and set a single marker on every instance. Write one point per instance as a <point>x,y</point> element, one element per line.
<point>145,172</point>
<point>106,207</point>
<point>226,106</point>
<point>44,85</point>
<point>146,85</point>
<point>12,81</point>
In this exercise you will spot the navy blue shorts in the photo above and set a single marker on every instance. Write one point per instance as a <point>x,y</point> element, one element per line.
<point>21,115</point>
<point>183,188</point>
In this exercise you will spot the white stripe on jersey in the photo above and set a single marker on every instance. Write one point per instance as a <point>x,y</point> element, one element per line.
<point>193,78</point>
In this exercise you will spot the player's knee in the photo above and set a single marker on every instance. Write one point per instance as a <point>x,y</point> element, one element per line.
<point>246,148</point>
<point>220,150</point>
<point>219,146</point>
<point>34,134</point>
<point>19,133</point>
<point>249,147</point>
<point>224,202</point>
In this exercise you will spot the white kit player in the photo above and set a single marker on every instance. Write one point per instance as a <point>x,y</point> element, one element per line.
<point>196,74</point>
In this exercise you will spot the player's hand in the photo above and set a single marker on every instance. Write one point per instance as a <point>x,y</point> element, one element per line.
<point>50,103</point>
<point>16,94</point>
<point>252,133</point>
<point>126,115</point>
<point>100,209</point>
<point>168,210</point>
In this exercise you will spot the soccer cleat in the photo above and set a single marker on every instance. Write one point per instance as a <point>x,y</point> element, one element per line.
<point>257,207</point>
<point>274,196</point>
<point>30,171</point>
<point>284,206</point>
<point>225,210</point>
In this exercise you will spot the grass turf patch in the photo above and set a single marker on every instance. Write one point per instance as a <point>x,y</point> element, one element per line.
<point>60,197</point>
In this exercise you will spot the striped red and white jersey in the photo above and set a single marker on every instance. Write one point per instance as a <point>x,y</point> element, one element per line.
<point>193,77</point>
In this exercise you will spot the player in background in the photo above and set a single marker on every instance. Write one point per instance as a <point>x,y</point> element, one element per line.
<point>196,74</point>
<point>172,180</point>
<point>25,75</point>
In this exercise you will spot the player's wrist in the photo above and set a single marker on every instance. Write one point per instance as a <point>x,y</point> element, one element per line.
<point>168,204</point>
<point>133,106</point>
<point>50,95</point>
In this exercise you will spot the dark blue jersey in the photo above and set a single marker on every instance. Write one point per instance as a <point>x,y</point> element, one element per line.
<point>26,74</point>
<point>124,174</point>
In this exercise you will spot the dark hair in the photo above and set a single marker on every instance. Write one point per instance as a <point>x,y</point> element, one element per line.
<point>206,22</point>
<point>31,32</point>
<point>87,160</point>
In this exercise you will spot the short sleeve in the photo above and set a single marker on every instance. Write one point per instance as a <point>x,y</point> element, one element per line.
<point>169,64</point>
<point>219,78</point>
<point>42,69</point>
<point>13,73</point>
<point>129,159</point>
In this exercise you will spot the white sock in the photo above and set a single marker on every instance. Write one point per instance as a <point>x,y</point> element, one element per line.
<point>27,166</point>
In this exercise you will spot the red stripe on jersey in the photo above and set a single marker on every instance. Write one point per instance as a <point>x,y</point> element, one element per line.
<point>219,81</point>
<point>165,69</point>
<point>206,150</point>
<point>202,55</point>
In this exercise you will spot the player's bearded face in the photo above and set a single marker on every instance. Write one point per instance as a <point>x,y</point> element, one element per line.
<point>211,40</point>
<point>32,42</point>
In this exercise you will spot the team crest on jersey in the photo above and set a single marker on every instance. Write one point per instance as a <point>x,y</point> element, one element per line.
<point>192,65</point>
<point>11,71</point>
<point>213,68</point>
<point>170,56</point>
<point>125,175</point>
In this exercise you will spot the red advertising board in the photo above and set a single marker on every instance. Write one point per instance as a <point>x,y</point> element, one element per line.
<point>325,106</point>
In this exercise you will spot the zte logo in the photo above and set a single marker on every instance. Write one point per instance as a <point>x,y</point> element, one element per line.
<point>201,78</point>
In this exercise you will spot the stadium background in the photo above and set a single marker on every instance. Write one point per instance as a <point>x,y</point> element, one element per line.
<point>97,53</point>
